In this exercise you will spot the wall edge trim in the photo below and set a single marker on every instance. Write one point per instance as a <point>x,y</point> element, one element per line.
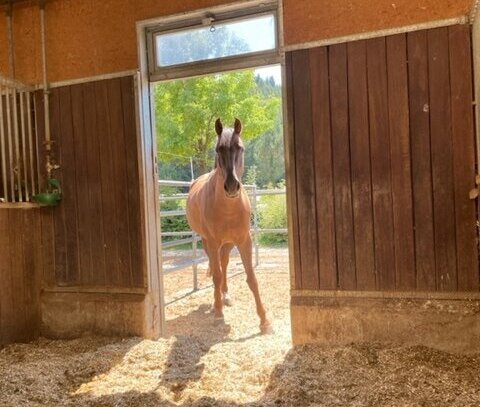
<point>421,295</point>
<point>378,33</point>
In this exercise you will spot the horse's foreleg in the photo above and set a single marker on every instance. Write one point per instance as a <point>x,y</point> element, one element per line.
<point>215,269</point>
<point>246,253</point>
<point>224,259</point>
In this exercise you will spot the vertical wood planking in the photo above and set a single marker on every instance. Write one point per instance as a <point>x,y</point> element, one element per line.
<point>59,212</point>
<point>360,162</point>
<point>95,224</point>
<point>341,167</point>
<point>107,175</point>
<point>463,156</point>
<point>400,161</point>
<point>419,107</point>
<point>133,189</point>
<point>117,140</point>
<point>7,311</point>
<point>322,144</point>
<point>380,161</point>
<point>290,164</point>
<point>81,184</point>
<point>442,159</point>
<point>305,171</point>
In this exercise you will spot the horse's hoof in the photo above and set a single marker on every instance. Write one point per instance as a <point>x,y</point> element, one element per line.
<point>218,321</point>
<point>227,300</point>
<point>266,329</point>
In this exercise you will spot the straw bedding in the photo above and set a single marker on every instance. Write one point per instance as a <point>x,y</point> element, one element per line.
<point>232,365</point>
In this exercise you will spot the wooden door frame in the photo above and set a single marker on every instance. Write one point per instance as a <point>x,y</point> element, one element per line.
<point>148,149</point>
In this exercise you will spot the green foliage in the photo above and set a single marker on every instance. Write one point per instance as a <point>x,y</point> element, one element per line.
<point>186,111</point>
<point>272,214</point>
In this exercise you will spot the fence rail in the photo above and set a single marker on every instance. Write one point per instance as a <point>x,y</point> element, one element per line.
<point>188,236</point>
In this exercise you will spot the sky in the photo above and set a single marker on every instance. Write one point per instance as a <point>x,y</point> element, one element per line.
<point>268,71</point>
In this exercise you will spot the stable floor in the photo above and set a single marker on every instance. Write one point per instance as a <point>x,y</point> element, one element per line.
<point>203,365</point>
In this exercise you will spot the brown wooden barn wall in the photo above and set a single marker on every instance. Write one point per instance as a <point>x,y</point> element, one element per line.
<point>20,268</point>
<point>96,229</point>
<point>382,144</point>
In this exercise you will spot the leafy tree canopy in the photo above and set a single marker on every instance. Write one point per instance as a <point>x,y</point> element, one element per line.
<point>186,111</point>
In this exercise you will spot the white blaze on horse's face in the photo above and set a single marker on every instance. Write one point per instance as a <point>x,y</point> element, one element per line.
<point>229,157</point>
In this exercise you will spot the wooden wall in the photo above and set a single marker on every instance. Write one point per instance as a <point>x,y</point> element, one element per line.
<point>96,229</point>
<point>381,163</point>
<point>20,267</point>
<point>91,37</point>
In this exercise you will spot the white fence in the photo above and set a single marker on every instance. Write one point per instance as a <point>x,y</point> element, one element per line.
<point>190,237</point>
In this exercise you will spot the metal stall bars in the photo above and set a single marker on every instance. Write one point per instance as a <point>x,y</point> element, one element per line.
<point>19,178</point>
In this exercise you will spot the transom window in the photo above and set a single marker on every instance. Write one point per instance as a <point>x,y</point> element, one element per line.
<point>213,42</point>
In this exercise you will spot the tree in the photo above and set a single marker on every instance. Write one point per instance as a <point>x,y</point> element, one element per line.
<point>186,111</point>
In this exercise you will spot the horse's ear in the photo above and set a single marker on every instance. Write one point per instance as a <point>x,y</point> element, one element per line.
<point>218,127</point>
<point>237,126</point>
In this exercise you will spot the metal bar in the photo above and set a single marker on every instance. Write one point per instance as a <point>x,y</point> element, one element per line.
<point>170,234</point>
<point>172,213</point>
<point>280,231</point>
<point>176,197</point>
<point>24,147</point>
<point>178,242</point>
<point>18,160</point>
<point>171,183</point>
<point>46,107</point>
<point>10,147</point>
<point>185,264</point>
<point>30,141</point>
<point>11,83</point>
<point>195,265</point>
<point>191,168</point>
<point>2,146</point>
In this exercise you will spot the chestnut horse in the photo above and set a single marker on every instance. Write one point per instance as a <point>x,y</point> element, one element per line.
<point>218,209</point>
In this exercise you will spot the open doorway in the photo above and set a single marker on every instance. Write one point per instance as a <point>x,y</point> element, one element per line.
<point>219,64</point>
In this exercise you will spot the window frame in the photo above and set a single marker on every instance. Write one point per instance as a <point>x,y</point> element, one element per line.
<point>214,65</point>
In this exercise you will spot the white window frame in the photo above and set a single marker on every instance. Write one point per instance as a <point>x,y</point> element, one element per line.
<point>215,65</point>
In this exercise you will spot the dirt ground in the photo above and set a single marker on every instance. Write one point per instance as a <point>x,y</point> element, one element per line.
<point>232,365</point>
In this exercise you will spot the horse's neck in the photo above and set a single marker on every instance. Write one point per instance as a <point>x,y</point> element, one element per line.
<point>215,189</point>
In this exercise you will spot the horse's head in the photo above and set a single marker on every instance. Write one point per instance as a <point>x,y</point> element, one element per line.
<point>229,156</point>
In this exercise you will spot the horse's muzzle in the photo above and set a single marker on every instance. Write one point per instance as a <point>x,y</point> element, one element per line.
<point>232,189</point>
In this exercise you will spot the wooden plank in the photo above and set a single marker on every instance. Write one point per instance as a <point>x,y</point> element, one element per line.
<point>344,232</point>
<point>120,181</point>
<point>290,168</point>
<point>380,163</point>
<point>360,162</point>
<point>47,247</point>
<point>419,103</point>
<point>107,178</point>
<point>17,264</point>
<point>442,159</point>
<point>59,214</point>
<point>322,146</point>
<point>133,180</point>
<point>463,156</point>
<point>402,200</point>
<point>31,270</point>
<point>95,221</point>
<point>84,221</point>
<point>6,305</point>
<point>305,171</point>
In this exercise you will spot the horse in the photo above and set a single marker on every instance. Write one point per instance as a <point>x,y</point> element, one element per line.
<point>218,210</point>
